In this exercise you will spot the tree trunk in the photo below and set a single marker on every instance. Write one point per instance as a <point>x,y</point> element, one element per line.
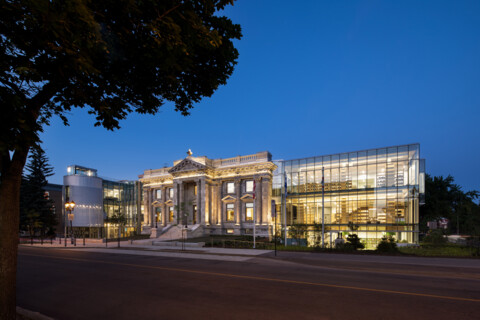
<point>9,227</point>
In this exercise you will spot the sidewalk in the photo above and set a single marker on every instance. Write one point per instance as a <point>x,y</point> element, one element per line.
<point>145,247</point>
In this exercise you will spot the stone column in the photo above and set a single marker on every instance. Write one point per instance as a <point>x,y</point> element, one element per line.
<point>180,200</point>
<point>208,216</point>
<point>203,194</point>
<point>238,203</point>
<point>199,201</point>
<point>266,205</point>
<point>164,207</point>
<point>175,200</point>
<point>146,210</point>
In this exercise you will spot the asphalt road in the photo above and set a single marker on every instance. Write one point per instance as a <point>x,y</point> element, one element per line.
<point>87,285</point>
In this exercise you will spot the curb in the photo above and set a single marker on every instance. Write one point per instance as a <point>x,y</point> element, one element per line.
<point>31,315</point>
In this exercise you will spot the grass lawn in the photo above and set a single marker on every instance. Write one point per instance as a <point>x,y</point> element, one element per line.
<point>448,250</point>
<point>233,241</point>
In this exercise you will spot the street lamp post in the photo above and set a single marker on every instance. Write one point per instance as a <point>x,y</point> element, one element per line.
<point>69,206</point>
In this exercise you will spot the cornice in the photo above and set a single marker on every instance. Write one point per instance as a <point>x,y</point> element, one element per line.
<point>188,169</point>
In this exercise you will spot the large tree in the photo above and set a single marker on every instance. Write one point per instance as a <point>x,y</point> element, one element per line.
<point>445,199</point>
<point>111,57</point>
<point>35,208</point>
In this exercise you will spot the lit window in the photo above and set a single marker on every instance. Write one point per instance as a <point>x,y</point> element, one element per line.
<point>170,214</point>
<point>229,231</point>
<point>249,211</point>
<point>195,190</point>
<point>158,214</point>
<point>249,186</point>
<point>158,194</point>
<point>170,192</point>
<point>230,187</point>
<point>230,212</point>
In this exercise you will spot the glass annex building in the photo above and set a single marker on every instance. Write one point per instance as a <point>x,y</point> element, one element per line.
<point>121,198</point>
<point>98,199</point>
<point>372,193</point>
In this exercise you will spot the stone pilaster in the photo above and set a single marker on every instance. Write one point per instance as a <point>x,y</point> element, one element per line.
<point>238,203</point>
<point>150,208</point>
<point>164,206</point>
<point>219,204</point>
<point>203,194</point>
<point>258,200</point>
<point>214,203</point>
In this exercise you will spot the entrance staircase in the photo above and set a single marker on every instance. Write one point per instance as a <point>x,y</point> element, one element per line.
<point>172,232</point>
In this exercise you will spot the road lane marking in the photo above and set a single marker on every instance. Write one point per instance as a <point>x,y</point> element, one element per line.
<point>229,275</point>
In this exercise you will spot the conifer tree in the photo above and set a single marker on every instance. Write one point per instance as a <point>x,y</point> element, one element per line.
<point>35,207</point>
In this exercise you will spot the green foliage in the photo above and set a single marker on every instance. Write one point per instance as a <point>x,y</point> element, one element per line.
<point>117,218</point>
<point>435,238</point>
<point>111,56</point>
<point>354,242</point>
<point>36,212</point>
<point>297,231</point>
<point>445,199</point>
<point>387,245</point>
<point>344,247</point>
<point>352,226</point>
<point>448,250</point>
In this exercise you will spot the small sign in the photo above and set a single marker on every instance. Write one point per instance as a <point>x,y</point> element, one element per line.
<point>70,216</point>
<point>274,209</point>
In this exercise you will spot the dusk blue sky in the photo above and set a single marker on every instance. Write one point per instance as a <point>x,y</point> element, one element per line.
<point>315,78</point>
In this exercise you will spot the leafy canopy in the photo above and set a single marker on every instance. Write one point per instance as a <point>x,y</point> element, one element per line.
<point>111,57</point>
<point>445,199</point>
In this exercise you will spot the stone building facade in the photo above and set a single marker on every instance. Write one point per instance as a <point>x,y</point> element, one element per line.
<point>210,196</point>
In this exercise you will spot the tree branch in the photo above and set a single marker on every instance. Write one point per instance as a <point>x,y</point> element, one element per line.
<point>168,11</point>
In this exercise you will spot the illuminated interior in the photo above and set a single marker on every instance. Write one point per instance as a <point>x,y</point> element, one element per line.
<point>119,198</point>
<point>371,193</point>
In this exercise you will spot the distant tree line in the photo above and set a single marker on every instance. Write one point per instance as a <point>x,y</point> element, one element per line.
<point>445,199</point>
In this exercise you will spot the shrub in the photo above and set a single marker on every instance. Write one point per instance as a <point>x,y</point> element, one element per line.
<point>435,238</point>
<point>344,247</point>
<point>387,244</point>
<point>354,241</point>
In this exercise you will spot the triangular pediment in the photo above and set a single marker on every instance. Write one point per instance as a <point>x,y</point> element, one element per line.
<point>157,203</point>
<point>228,198</point>
<point>169,202</point>
<point>247,197</point>
<point>187,165</point>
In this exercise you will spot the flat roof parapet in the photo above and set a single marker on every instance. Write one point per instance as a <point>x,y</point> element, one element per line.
<point>239,160</point>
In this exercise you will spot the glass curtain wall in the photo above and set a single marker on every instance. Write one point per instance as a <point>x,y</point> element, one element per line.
<point>120,199</point>
<point>371,193</point>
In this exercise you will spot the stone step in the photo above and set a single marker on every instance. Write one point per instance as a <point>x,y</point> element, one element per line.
<point>178,244</point>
